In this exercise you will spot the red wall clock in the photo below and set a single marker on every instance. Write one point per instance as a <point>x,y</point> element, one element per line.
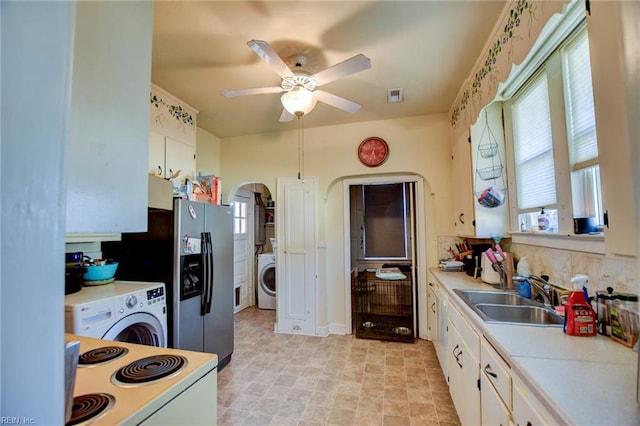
<point>373,151</point>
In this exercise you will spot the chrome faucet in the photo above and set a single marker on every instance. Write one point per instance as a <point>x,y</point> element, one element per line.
<point>543,286</point>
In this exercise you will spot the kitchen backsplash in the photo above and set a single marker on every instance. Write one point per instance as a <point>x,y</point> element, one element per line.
<point>561,265</point>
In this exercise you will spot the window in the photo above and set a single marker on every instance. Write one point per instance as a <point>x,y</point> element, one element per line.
<point>555,150</point>
<point>240,218</point>
<point>386,222</point>
<point>583,144</point>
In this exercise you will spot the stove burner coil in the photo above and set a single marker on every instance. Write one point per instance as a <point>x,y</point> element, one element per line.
<point>104,354</point>
<point>150,368</point>
<point>88,406</point>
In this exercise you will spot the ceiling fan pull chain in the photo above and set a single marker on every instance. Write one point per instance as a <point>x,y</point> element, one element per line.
<point>300,148</point>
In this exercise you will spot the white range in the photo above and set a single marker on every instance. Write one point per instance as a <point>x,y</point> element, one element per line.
<point>126,389</point>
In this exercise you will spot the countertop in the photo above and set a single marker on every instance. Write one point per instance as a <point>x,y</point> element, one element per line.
<point>580,380</point>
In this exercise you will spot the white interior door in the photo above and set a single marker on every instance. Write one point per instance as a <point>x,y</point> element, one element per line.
<point>296,256</point>
<point>242,250</point>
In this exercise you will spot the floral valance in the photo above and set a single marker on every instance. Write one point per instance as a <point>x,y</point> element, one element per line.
<point>520,24</point>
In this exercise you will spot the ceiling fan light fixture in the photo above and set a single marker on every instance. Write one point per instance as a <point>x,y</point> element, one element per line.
<point>299,100</point>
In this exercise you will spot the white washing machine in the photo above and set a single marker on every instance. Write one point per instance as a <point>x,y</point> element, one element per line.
<point>125,311</point>
<point>267,281</point>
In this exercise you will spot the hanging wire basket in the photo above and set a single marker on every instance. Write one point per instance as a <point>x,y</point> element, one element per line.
<point>488,150</point>
<point>492,172</point>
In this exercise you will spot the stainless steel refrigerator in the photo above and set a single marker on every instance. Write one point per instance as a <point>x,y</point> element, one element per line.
<point>190,249</point>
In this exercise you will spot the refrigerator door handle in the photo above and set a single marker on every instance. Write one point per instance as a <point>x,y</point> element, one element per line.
<point>205,275</point>
<point>210,273</point>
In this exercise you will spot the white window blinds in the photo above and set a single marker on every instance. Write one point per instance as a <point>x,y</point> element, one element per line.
<point>533,146</point>
<point>581,125</point>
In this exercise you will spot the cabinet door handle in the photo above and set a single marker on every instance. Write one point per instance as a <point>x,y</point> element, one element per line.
<point>170,172</point>
<point>487,370</point>
<point>159,170</point>
<point>433,307</point>
<point>457,355</point>
<point>461,218</point>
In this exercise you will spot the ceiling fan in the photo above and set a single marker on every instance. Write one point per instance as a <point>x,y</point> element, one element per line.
<point>299,87</point>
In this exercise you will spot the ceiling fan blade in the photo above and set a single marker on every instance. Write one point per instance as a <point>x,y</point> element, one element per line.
<point>337,101</point>
<point>286,116</point>
<point>267,54</point>
<point>350,66</point>
<point>257,91</point>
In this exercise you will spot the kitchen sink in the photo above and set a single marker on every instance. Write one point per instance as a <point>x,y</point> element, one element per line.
<point>509,308</point>
<point>494,297</point>
<point>523,314</point>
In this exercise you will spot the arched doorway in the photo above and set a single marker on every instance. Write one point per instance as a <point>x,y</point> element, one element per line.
<point>254,228</point>
<point>417,247</point>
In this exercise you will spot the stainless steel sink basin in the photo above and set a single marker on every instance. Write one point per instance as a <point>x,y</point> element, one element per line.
<point>509,308</point>
<point>495,297</point>
<point>533,315</point>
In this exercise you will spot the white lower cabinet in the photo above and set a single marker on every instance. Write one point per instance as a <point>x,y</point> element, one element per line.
<point>432,313</point>
<point>495,387</point>
<point>527,410</point>
<point>440,336</point>
<point>484,389</point>
<point>464,369</point>
<point>494,412</point>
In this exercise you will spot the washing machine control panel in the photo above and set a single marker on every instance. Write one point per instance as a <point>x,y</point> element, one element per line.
<point>155,295</point>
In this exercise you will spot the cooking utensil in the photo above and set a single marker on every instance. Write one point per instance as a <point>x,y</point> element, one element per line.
<point>476,271</point>
<point>73,279</point>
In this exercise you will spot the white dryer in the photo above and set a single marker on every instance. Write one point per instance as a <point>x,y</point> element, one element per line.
<point>267,281</point>
<point>125,311</point>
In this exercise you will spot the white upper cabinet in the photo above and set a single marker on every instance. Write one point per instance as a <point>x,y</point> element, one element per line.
<point>489,171</point>
<point>172,137</point>
<point>610,81</point>
<point>108,122</point>
<point>479,164</point>
<point>462,184</point>
<point>168,156</point>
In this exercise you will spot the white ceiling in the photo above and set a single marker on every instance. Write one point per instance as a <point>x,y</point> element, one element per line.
<point>425,47</point>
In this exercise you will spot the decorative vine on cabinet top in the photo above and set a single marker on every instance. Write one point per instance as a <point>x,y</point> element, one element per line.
<point>172,117</point>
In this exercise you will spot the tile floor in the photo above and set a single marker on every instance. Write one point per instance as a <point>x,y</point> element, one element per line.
<point>282,379</point>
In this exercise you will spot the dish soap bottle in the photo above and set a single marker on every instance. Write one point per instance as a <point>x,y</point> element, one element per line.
<point>543,221</point>
<point>579,318</point>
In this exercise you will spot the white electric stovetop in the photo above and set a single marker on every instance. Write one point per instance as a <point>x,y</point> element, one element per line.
<point>135,404</point>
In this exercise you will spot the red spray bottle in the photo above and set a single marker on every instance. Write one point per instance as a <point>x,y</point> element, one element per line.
<point>579,318</point>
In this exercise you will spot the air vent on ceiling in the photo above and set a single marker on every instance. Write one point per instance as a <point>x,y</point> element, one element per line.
<point>395,95</point>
